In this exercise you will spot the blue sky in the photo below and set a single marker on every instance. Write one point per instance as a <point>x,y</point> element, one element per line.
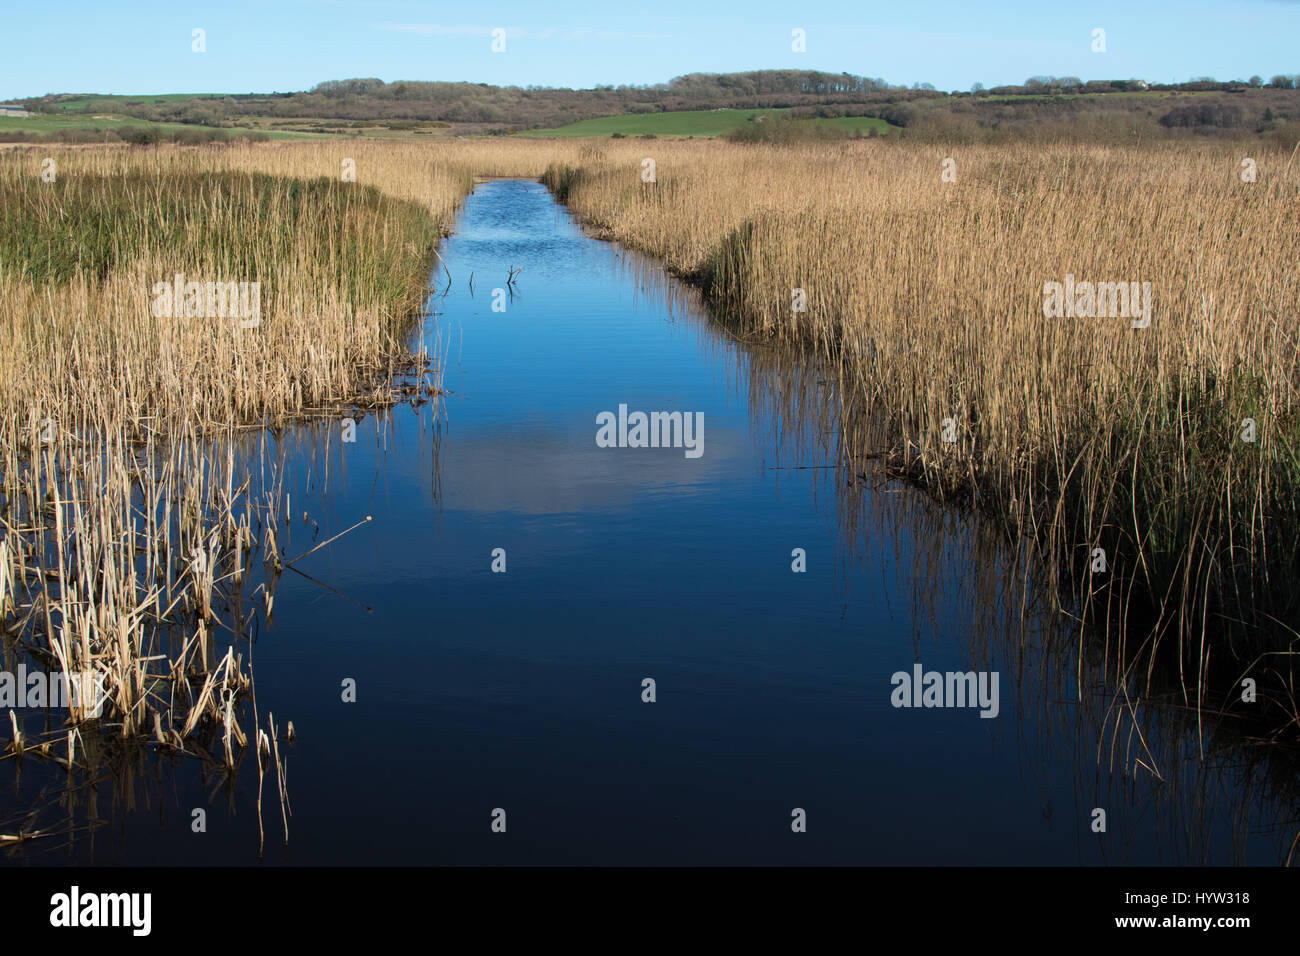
<point>282,45</point>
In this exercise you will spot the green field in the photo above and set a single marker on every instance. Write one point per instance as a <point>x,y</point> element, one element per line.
<point>51,122</point>
<point>109,103</point>
<point>704,123</point>
<point>44,123</point>
<point>862,123</point>
<point>97,112</point>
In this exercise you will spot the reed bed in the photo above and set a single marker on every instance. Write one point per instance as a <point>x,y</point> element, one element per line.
<point>137,545</point>
<point>1078,433</point>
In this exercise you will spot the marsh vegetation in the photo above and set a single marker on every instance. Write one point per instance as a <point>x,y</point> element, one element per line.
<point>145,516</point>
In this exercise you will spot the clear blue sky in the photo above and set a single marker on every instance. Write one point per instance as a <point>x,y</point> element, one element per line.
<point>98,46</point>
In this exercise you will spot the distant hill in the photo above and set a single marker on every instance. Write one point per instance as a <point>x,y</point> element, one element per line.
<point>1040,106</point>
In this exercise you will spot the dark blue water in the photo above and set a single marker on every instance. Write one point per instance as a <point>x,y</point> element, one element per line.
<point>523,690</point>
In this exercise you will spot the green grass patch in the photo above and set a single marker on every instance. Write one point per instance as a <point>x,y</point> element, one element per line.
<point>43,124</point>
<point>860,124</point>
<point>114,103</point>
<point>700,123</point>
<point>91,224</point>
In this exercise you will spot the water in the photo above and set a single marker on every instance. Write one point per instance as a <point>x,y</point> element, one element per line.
<point>523,690</point>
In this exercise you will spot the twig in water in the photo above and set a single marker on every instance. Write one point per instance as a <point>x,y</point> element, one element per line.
<point>327,541</point>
